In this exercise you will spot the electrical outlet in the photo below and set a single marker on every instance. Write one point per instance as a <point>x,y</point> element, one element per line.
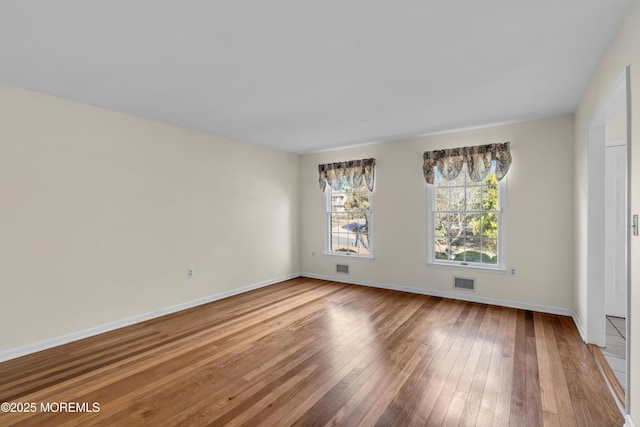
<point>513,271</point>
<point>190,272</point>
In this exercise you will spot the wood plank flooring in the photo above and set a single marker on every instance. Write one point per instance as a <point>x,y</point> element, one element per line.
<point>307,352</point>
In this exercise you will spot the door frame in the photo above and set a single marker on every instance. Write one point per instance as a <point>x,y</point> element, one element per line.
<point>615,102</point>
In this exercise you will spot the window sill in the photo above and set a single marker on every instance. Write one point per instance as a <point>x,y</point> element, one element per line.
<point>349,255</point>
<point>460,266</point>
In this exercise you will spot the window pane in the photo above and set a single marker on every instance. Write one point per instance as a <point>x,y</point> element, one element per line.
<point>456,225</point>
<point>490,225</point>
<point>362,232</point>
<point>473,225</point>
<point>472,250</point>
<point>474,198</point>
<point>441,249</point>
<point>338,221</point>
<point>449,249</point>
<point>365,201</point>
<point>349,233</point>
<point>456,200</point>
<point>362,243</point>
<point>490,251</point>
<point>490,197</point>
<point>333,222</point>
<point>349,201</point>
<point>340,242</point>
<point>356,201</point>
<point>441,224</point>
<point>442,199</point>
<point>456,249</point>
<point>337,202</point>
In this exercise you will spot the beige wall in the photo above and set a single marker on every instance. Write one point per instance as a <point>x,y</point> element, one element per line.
<point>102,213</point>
<point>625,50</point>
<point>539,232</point>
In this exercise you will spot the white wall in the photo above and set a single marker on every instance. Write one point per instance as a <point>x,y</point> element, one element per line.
<point>625,50</point>
<point>101,214</point>
<point>539,215</point>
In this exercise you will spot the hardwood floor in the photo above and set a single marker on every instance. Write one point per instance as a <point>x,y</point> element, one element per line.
<point>307,352</point>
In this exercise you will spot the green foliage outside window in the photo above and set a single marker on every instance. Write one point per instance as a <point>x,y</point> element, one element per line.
<point>466,219</point>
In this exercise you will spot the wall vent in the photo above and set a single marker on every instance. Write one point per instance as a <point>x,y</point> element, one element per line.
<point>342,268</point>
<point>464,283</point>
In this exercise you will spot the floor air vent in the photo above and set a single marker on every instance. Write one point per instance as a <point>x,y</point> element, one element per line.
<point>342,268</point>
<point>462,283</point>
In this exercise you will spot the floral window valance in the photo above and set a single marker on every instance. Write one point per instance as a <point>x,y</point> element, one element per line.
<point>478,159</point>
<point>351,173</point>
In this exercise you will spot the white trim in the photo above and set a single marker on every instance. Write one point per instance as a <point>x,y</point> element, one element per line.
<point>471,266</point>
<point>349,255</point>
<point>451,295</point>
<point>628,422</point>
<point>615,102</point>
<point>75,336</point>
<point>578,323</point>
<point>429,237</point>
<point>630,314</point>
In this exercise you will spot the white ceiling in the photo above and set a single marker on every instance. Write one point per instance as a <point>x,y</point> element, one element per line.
<point>303,76</point>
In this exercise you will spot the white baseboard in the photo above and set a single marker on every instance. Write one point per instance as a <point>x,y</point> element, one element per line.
<point>628,422</point>
<point>75,336</point>
<point>452,295</point>
<point>578,323</point>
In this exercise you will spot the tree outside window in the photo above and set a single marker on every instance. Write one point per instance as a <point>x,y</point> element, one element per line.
<point>466,219</point>
<point>349,220</point>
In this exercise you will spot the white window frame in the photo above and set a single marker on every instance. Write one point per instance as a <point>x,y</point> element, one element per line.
<point>502,237</point>
<point>327,229</point>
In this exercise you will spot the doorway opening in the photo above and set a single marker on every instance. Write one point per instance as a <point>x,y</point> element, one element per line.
<point>608,229</point>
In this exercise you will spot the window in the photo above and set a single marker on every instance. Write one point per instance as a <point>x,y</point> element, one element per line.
<point>466,221</point>
<point>349,221</point>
